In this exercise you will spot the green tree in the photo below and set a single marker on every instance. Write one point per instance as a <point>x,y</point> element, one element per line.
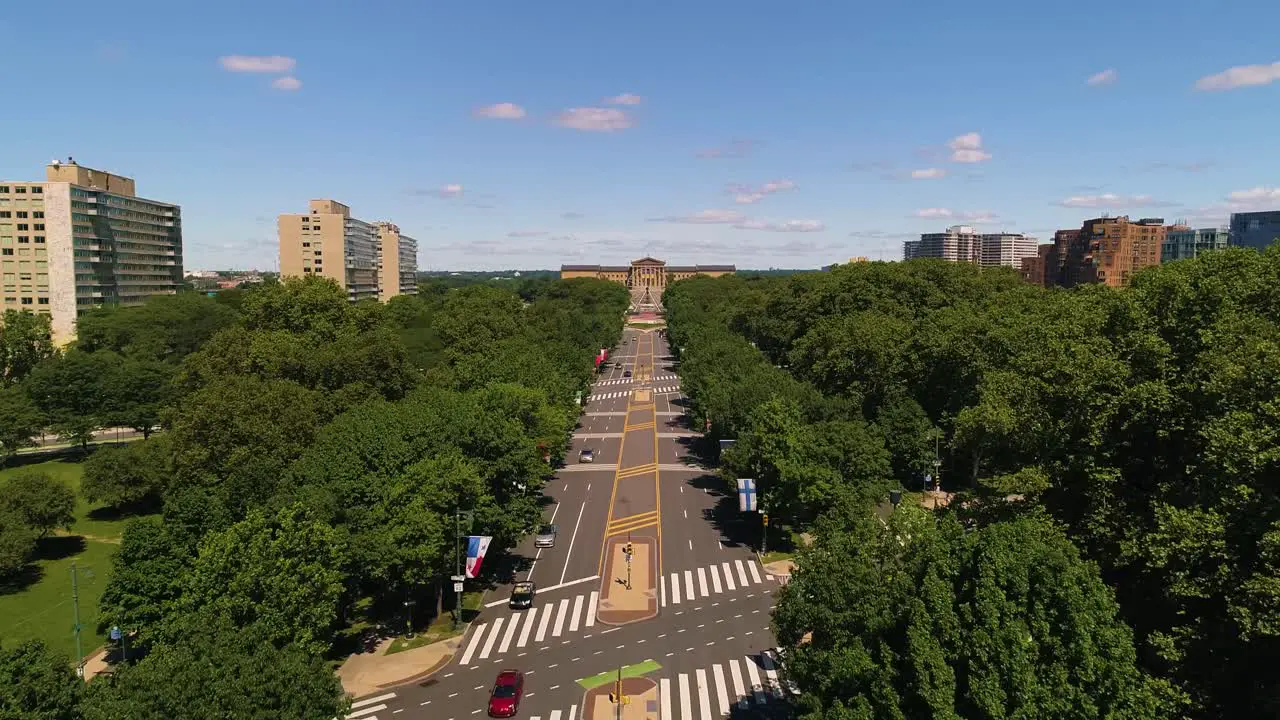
<point>925,620</point>
<point>17,541</point>
<point>283,572</point>
<point>125,476</point>
<point>24,344</point>
<point>20,420</point>
<point>41,501</point>
<point>137,394</point>
<point>72,391</point>
<point>37,684</point>
<point>224,671</point>
<point>166,328</point>
<point>146,580</point>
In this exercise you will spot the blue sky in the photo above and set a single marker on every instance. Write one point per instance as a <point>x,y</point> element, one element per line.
<point>763,134</point>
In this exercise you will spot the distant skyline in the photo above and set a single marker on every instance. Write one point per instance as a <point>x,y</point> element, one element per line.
<point>509,135</point>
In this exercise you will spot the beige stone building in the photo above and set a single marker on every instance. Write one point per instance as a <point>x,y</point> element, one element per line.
<point>330,243</point>
<point>646,277</point>
<point>397,262</point>
<point>83,239</point>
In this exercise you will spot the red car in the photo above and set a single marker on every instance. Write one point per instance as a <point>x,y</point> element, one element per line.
<point>505,698</point>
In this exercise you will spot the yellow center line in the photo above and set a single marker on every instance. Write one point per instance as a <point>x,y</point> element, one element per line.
<point>645,517</point>
<point>657,490</point>
<point>632,528</point>
<point>613,495</point>
<point>624,473</point>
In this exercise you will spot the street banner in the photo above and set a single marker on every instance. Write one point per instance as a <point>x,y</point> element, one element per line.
<point>746,495</point>
<point>477,546</point>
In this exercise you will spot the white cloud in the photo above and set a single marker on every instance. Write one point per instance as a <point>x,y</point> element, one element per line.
<point>747,194</point>
<point>624,99</point>
<point>967,148</point>
<point>1106,77</point>
<point>452,190</point>
<point>257,63</point>
<point>974,216</point>
<point>704,217</point>
<point>735,149</point>
<point>785,226</point>
<point>928,174</point>
<point>1112,200</point>
<point>1259,198</point>
<point>288,82</point>
<point>1240,76</point>
<point>500,111</point>
<point>594,119</point>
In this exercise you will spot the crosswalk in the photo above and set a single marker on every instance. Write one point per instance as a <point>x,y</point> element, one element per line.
<point>713,692</point>
<point>665,378</point>
<point>365,709</point>
<point>610,395</point>
<point>618,381</point>
<point>727,576</point>
<point>498,637</point>
<point>668,389</point>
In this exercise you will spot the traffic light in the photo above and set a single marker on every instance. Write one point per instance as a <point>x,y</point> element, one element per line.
<point>613,698</point>
<point>627,549</point>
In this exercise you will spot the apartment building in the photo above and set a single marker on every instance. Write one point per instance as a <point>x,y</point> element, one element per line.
<point>328,242</point>
<point>961,243</point>
<point>397,262</point>
<point>1255,229</point>
<point>82,239</point>
<point>1183,244</point>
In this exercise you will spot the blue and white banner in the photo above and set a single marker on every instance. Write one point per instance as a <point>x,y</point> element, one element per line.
<point>477,546</point>
<point>746,495</point>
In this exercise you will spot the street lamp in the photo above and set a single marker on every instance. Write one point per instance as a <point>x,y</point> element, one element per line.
<point>408,604</point>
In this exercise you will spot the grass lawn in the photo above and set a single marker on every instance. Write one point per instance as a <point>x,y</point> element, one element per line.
<point>38,605</point>
<point>441,628</point>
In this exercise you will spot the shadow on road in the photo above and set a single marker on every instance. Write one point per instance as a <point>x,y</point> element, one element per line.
<point>775,709</point>
<point>737,529</point>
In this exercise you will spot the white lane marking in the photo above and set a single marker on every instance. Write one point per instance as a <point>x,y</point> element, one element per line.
<point>722,692</point>
<point>688,584</point>
<point>753,675</point>
<point>690,544</point>
<point>662,589</point>
<point>542,626</point>
<point>702,582</point>
<point>742,572</point>
<point>493,637</point>
<point>755,574</point>
<point>675,588</point>
<point>771,672</point>
<point>571,583</point>
<point>577,611</point>
<point>739,691</point>
<point>591,608</point>
<point>664,699</point>
<point>511,633</point>
<point>475,640</point>
<point>564,610</point>
<point>538,555</point>
<point>363,712</point>
<point>715,578</point>
<point>372,700</point>
<point>528,626</point>
<point>686,707</point>
<point>555,714</point>
<point>573,537</point>
<point>704,698</point>
<point>573,712</point>
<point>728,576</point>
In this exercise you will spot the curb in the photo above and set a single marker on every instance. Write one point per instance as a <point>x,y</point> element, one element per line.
<point>444,662</point>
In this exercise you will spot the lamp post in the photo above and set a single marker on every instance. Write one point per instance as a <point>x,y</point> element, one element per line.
<point>408,605</point>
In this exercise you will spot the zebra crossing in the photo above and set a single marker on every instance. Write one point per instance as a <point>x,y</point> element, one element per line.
<point>669,389</point>
<point>498,637</point>
<point>714,692</point>
<point>711,580</point>
<point>610,395</point>
<point>364,709</point>
<point>618,381</point>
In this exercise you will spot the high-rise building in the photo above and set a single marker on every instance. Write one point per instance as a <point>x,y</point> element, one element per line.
<point>1182,244</point>
<point>330,243</point>
<point>1107,250</point>
<point>1036,268</point>
<point>397,262</point>
<point>1006,249</point>
<point>961,243</point>
<point>83,239</point>
<point>1255,229</point>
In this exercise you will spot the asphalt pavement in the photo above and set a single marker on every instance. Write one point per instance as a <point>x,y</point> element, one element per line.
<point>709,648</point>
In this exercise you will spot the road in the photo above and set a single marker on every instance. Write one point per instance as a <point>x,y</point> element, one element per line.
<point>706,622</point>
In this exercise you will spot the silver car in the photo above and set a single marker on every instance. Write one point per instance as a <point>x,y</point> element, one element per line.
<point>546,536</point>
<point>587,456</point>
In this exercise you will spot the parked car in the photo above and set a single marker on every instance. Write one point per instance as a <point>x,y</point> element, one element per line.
<point>522,596</point>
<point>504,701</point>
<point>587,456</point>
<point>626,373</point>
<point>546,536</point>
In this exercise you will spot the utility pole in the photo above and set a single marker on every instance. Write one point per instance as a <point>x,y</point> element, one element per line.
<point>75,604</point>
<point>457,532</point>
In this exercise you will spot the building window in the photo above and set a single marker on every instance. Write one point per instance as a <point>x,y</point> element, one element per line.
<point>23,226</point>
<point>40,239</point>
<point>26,301</point>
<point>37,190</point>
<point>24,239</point>
<point>4,188</point>
<point>5,214</point>
<point>42,301</point>
<point>39,226</point>
<point>22,213</point>
<point>306,244</point>
<point>7,251</point>
<point>37,214</point>
<point>20,191</point>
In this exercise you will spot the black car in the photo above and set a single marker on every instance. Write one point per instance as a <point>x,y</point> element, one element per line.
<point>522,595</point>
<point>626,373</point>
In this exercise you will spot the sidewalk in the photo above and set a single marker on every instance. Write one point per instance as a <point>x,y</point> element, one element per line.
<point>367,673</point>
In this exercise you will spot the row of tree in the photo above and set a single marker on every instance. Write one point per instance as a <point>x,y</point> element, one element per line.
<point>1139,423</point>
<point>317,460</point>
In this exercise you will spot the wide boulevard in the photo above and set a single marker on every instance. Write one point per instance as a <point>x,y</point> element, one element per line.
<point>684,615</point>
